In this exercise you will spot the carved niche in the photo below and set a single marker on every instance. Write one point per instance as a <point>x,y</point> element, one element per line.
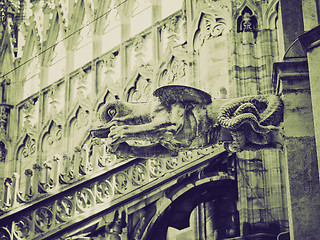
<point>247,22</point>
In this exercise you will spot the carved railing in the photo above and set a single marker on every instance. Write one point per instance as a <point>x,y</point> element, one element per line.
<point>66,196</point>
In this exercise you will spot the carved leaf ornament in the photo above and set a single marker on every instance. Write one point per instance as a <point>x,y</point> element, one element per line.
<point>29,148</point>
<point>43,218</point>
<point>210,27</point>
<point>22,228</point>
<point>65,209</point>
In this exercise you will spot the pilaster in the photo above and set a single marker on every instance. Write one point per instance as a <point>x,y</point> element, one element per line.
<point>303,189</point>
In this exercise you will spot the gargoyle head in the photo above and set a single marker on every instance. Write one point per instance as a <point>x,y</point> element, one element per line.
<point>110,111</point>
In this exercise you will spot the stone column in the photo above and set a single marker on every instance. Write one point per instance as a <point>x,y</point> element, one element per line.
<point>303,189</point>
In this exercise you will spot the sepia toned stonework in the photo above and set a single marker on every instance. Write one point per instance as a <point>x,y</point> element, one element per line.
<point>159,119</point>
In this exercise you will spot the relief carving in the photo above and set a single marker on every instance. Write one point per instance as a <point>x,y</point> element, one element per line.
<point>209,26</point>
<point>141,91</point>
<point>187,118</point>
<point>29,110</point>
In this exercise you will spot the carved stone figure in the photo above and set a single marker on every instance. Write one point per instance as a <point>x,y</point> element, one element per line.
<point>184,118</point>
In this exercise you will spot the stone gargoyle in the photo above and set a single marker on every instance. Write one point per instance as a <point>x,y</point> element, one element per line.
<point>181,117</point>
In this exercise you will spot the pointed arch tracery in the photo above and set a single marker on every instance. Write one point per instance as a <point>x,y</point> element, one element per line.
<point>51,139</point>
<point>78,124</point>
<point>139,88</point>
<point>247,21</point>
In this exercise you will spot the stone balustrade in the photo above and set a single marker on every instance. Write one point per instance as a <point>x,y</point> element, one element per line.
<point>96,180</point>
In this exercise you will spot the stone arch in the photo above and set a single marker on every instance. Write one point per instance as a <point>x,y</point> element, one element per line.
<point>247,21</point>
<point>271,14</point>
<point>174,209</point>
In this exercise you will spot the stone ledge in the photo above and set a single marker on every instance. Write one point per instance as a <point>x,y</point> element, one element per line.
<point>290,76</point>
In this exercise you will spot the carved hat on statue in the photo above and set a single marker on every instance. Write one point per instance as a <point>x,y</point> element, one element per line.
<point>171,94</point>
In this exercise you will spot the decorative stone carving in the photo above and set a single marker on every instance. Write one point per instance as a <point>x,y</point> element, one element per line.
<point>7,193</point>
<point>209,26</point>
<point>139,174</point>
<point>29,110</point>
<point>109,60</point>
<point>104,191</point>
<point>122,182</point>
<point>55,134</point>
<point>156,166</point>
<point>82,84</point>
<point>43,219</point>
<point>84,200</point>
<point>141,91</point>
<point>115,227</point>
<point>87,198</point>
<point>82,118</point>
<point>22,228</point>
<point>3,152</point>
<point>175,72</point>
<point>138,43</point>
<point>65,209</point>
<point>29,147</point>
<point>247,22</point>
<point>187,118</point>
<point>173,32</point>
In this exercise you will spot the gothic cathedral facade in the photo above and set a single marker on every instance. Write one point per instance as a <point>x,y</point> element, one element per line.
<point>86,152</point>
